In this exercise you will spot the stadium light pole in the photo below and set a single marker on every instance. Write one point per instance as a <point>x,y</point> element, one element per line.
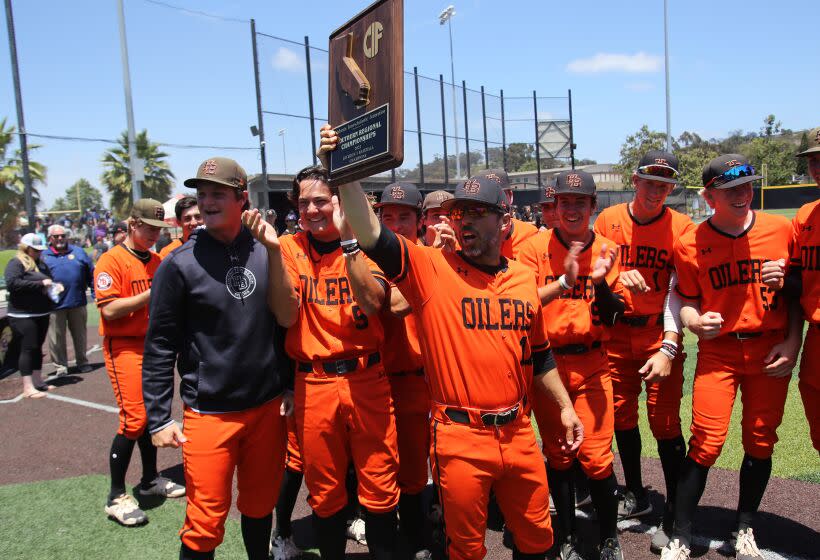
<point>666,69</point>
<point>136,188</point>
<point>282,132</point>
<point>446,17</point>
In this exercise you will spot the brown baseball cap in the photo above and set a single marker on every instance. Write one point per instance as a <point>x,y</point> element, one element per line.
<point>404,194</point>
<point>434,200</point>
<point>814,142</point>
<point>575,181</point>
<point>221,171</point>
<point>149,211</point>
<point>485,188</point>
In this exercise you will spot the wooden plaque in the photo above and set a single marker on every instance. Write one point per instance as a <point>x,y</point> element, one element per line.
<point>366,92</point>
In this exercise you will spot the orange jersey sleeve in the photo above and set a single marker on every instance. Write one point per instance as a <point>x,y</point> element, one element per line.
<point>175,244</point>
<point>121,274</point>
<point>723,272</point>
<point>401,350</point>
<point>330,324</point>
<point>519,233</point>
<point>478,326</point>
<point>647,248</point>
<point>806,256</point>
<point>573,317</point>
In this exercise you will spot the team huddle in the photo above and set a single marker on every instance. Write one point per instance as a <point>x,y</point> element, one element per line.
<point>424,335</point>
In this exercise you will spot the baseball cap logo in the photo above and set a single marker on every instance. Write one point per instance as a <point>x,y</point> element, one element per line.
<point>209,167</point>
<point>159,213</point>
<point>472,186</point>
<point>661,161</point>
<point>549,192</point>
<point>732,163</point>
<point>574,180</point>
<point>397,193</point>
<point>494,177</point>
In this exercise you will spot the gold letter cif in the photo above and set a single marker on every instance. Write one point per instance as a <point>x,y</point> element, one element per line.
<point>371,39</point>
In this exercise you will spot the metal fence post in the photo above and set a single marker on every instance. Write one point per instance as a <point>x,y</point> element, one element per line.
<point>310,99</point>
<point>503,134</point>
<point>537,147</point>
<point>444,131</point>
<point>418,126</point>
<point>571,137</point>
<point>466,126</point>
<point>484,119</point>
<point>260,120</point>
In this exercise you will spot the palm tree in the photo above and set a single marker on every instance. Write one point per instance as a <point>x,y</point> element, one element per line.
<point>158,181</point>
<point>12,187</point>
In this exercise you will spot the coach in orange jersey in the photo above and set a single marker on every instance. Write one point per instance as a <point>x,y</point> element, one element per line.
<point>480,324</point>
<point>806,259</point>
<point>188,218</point>
<point>343,410</point>
<point>578,281</point>
<point>211,316</point>
<point>122,281</point>
<point>749,336</point>
<point>642,349</point>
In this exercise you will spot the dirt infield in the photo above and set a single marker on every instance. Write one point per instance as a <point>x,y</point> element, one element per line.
<point>68,434</point>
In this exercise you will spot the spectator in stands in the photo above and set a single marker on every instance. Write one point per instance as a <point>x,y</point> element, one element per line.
<point>291,220</point>
<point>100,247</point>
<point>72,267</point>
<point>31,298</point>
<point>120,232</point>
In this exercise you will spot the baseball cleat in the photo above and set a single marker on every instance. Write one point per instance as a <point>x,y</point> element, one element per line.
<point>356,531</point>
<point>162,487</point>
<point>125,511</point>
<point>611,550</point>
<point>745,545</point>
<point>284,549</point>
<point>568,552</point>
<point>423,555</point>
<point>633,506</point>
<point>660,540</point>
<point>675,551</point>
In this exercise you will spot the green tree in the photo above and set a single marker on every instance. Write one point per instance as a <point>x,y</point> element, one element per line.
<point>692,161</point>
<point>586,161</point>
<point>158,181</point>
<point>89,197</point>
<point>12,188</point>
<point>776,153</point>
<point>634,147</point>
<point>802,167</point>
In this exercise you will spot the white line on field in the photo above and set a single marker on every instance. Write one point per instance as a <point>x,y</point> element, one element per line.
<point>89,404</point>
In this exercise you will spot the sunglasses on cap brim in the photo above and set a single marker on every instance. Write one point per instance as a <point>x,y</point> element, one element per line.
<point>660,171</point>
<point>730,175</point>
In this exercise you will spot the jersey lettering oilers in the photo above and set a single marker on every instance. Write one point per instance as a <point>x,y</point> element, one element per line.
<point>519,232</point>
<point>120,273</point>
<point>478,326</point>
<point>573,317</point>
<point>330,324</point>
<point>646,248</point>
<point>806,255</point>
<point>723,271</point>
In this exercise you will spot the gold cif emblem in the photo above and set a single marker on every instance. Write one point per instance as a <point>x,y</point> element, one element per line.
<point>371,39</point>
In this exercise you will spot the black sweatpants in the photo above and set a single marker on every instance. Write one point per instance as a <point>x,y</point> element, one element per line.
<point>31,331</point>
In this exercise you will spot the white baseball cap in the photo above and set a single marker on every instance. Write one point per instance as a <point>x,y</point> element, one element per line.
<point>34,241</point>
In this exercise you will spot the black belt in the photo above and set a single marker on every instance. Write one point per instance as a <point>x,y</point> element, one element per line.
<point>488,418</point>
<point>341,367</point>
<point>640,320</point>
<point>575,348</point>
<point>745,335</point>
<point>406,373</point>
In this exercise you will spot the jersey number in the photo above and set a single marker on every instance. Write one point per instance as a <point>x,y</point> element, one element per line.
<point>768,304</point>
<point>359,318</point>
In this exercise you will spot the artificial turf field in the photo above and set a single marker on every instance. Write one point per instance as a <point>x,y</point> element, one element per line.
<point>53,484</point>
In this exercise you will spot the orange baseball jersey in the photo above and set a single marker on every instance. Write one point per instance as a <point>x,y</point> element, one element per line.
<point>120,273</point>
<point>573,317</point>
<point>723,272</point>
<point>646,248</point>
<point>402,351</point>
<point>519,232</point>
<point>806,255</point>
<point>175,244</point>
<point>478,326</point>
<point>330,323</point>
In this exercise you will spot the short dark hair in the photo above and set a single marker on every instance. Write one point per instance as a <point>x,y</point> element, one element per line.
<point>312,172</point>
<point>183,204</point>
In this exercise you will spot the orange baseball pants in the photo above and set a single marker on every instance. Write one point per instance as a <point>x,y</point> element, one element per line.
<point>810,382</point>
<point>293,454</point>
<point>725,365</point>
<point>344,417</point>
<point>586,378</point>
<point>123,362</point>
<point>628,350</point>
<point>251,442</point>
<point>411,399</point>
<point>467,462</point>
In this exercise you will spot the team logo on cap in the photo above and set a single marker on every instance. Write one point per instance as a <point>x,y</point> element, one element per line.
<point>574,181</point>
<point>733,163</point>
<point>159,213</point>
<point>549,192</point>
<point>472,186</point>
<point>104,281</point>
<point>661,161</point>
<point>240,282</point>
<point>397,193</point>
<point>209,167</point>
<point>494,177</point>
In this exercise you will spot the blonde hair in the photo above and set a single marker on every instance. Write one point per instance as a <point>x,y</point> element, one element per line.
<point>25,258</point>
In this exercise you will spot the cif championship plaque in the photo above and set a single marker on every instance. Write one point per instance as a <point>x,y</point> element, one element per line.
<point>366,92</point>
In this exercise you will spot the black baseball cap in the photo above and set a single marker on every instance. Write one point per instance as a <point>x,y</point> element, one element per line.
<point>434,200</point>
<point>120,228</point>
<point>658,165</point>
<point>404,194</point>
<point>575,181</point>
<point>485,188</point>
<point>727,171</point>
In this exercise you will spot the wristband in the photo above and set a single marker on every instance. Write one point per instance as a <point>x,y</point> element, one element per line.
<point>352,248</point>
<point>670,342</point>
<point>666,352</point>
<point>348,242</point>
<point>355,251</point>
<point>562,281</point>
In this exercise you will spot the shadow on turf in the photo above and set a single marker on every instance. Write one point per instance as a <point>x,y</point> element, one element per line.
<point>175,473</point>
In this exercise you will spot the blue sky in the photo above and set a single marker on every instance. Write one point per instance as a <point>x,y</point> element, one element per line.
<point>732,62</point>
